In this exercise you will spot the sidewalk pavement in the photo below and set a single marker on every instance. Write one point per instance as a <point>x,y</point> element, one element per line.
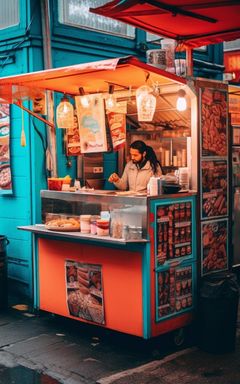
<point>76,353</point>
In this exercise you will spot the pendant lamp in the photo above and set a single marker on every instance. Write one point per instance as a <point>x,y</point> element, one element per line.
<point>181,101</point>
<point>65,113</point>
<point>146,103</point>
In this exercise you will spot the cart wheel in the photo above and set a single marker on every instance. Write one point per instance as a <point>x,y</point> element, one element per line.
<point>179,337</point>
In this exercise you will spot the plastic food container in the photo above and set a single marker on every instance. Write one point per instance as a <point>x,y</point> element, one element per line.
<point>85,223</point>
<point>103,227</point>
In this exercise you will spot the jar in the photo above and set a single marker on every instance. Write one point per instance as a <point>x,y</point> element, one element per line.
<point>102,227</point>
<point>135,233</point>
<point>125,232</point>
<point>93,224</point>
<point>85,223</point>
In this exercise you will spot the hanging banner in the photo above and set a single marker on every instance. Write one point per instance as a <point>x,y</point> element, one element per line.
<point>73,147</point>
<point>85,291</point>
<point>91,121</point>
<point>117,125</point>
<point>5,168</point>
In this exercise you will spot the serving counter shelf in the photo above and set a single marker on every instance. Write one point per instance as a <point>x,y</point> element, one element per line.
<point>40,229</point>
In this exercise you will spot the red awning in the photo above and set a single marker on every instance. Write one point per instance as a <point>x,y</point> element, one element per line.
<point>191,23</point>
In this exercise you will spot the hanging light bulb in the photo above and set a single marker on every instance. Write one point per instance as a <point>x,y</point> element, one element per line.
<point>65,113</point>
<point>146,103</point>
<point>181,101</point>
<point>85,100</point>
<point>110,99</point>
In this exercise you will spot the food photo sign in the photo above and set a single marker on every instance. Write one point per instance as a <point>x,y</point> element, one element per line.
<point>214,242</point>
<point>5,168</point>
<point>213,122</point>
<point>84,290</point>
<point>214,188</point>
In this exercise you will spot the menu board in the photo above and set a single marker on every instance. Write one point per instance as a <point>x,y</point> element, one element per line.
<point>214,188</point>
<point>214,246</point>
<point>174,232</point>
<point>5,168</point>
<point>84,291</point>
<point>213,122</point>
<point>174,291</point>
<point>91,121</point>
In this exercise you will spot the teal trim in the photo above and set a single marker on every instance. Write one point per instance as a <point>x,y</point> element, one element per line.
<point>181,262</point>
<point>146,285</point>
<point>36,294</point>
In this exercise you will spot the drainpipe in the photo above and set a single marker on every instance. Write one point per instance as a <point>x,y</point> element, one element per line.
<point>51,155</point>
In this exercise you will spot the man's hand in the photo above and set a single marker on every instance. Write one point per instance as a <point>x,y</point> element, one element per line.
<point>113,178</point>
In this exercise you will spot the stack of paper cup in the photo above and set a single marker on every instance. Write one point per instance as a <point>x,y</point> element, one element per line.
<point>184,177</point>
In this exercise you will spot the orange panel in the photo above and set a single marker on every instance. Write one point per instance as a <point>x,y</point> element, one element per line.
<point>122,281</point>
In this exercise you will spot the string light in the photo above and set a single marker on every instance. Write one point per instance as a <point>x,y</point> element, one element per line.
<point>85,101</point>
<point>110,99</point>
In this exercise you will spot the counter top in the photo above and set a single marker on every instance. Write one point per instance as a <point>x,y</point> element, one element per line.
<point>40,229</point>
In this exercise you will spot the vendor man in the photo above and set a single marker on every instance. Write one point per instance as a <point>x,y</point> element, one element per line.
<point>143,165</point>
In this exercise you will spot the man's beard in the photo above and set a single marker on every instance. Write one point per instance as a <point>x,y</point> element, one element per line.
<point>138,162</point>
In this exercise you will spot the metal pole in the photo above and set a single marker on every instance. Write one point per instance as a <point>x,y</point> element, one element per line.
<point>47,55</point>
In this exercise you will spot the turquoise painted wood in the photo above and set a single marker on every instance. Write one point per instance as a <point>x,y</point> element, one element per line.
<point>22,52</point>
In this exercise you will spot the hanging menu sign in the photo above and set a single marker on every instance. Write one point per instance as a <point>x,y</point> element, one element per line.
<point>214,188</point>
<point>5,169</point>
<point>213,122</point>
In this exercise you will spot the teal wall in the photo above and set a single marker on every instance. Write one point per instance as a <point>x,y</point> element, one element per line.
<point>21,52</point>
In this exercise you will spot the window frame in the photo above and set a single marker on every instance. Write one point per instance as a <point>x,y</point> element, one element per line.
<point>19,29</point>
<point>90,35</point>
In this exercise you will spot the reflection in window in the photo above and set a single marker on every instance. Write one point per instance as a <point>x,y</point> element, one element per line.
<point>9,13</point>
<point>76,13</point>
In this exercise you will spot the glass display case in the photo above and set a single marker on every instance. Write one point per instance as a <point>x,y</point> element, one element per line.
<point>126,213</point>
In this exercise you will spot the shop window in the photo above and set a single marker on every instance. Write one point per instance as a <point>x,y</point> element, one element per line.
<point>9,13</point>
<point>231,45</point>
<point>76,13</point>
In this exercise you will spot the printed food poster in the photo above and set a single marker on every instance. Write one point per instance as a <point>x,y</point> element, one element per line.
<point>213,122</point>
<point>73,147</point>
<point>174,291</point>
<point>117,125</point>
<point>5,169</point>
<point>214,246</point>
<point>85,291</point>
<point>91,121</point>
<point>39,103</point>
<point>174,232</point>
<point>214,188</point>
